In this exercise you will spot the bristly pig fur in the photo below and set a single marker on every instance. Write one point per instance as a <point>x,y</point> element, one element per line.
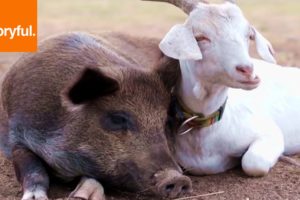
<point>55,105</point>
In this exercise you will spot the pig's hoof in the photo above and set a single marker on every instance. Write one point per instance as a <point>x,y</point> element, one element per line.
<point>35,194</point>
<point>89,189</point>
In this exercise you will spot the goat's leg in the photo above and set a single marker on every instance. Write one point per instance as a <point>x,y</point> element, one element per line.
<point>31,173</point>
<point>88,189</point>
<point>262,155</point>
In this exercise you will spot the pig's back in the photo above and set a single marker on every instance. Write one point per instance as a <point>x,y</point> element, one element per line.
<point>144,52</point>
<point>31,91</point>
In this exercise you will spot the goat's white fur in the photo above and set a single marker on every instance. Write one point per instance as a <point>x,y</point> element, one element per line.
<point>258,125</point>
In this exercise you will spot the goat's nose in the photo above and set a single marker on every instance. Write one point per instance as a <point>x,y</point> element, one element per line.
<point>245,70</point>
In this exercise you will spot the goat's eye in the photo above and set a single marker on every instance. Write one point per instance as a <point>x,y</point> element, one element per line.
<point>118,121</point>
<point>251,34</point>
<point>202,38</point>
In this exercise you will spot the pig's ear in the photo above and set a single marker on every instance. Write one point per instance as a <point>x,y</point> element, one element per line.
<point>90,85</point>
<point>168,70</point>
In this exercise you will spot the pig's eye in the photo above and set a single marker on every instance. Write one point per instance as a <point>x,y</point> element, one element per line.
<point>118,121</point>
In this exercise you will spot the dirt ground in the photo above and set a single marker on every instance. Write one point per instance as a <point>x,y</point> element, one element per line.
<point>282,27</point>
<point>282,183</point>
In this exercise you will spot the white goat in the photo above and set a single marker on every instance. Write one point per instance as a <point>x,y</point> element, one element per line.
<point>258,125</point>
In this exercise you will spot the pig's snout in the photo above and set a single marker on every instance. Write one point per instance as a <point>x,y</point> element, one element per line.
<point>172,184</point>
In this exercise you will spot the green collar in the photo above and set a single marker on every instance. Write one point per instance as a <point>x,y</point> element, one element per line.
<point>190,120</point>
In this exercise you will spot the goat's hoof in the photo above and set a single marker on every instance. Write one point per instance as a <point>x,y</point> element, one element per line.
<point>256,172</point>
<point>255,167</point>
<point>88,189</point>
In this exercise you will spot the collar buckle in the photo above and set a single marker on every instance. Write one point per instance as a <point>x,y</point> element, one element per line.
<point>192,121</point>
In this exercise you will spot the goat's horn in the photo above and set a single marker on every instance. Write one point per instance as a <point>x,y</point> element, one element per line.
<point>186,5</point>
<point>231,1</point>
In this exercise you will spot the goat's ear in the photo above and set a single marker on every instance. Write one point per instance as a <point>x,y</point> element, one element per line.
<point>180,43</point>
<point>263,46</point>
<point>89,85</point>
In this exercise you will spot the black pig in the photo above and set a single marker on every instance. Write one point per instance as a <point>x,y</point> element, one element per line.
<point>85,109</point>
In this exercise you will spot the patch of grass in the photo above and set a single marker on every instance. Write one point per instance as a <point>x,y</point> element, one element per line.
<point>278,20</point>
<point>132,12</point>
<point>269,8</point>
<point>107,11</point>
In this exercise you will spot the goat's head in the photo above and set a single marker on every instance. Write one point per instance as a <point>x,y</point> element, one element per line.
<point>216,37</point>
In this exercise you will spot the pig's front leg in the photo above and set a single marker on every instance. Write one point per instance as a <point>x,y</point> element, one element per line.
<point>31,173</point>
<point>88,189</point>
